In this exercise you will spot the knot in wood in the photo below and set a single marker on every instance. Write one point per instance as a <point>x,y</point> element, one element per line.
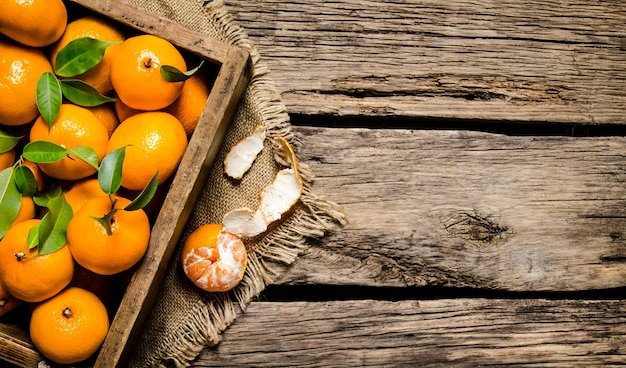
<point>475,228</point>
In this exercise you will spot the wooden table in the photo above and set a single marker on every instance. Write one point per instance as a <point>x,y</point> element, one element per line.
<point>478,151</point>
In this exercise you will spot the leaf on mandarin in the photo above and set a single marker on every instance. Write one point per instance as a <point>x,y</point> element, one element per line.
<point>25,180</point>
<point>53,226</point>
<point>145,196</point>
<point>110,171</point>
<point>173,74</point>
<point>49,96</point>
<point>33,237</point>
<point>83,94</point>
<point>43,152</point>
<point>41,199</point>
<point>79,56</point>
<point>7,141</point>
<point>86,154</point>
<point>10,200</point>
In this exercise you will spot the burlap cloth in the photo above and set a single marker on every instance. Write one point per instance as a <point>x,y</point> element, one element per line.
<point>186,319</point>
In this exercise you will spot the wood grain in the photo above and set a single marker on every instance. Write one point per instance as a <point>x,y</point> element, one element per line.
<point>427,333</point>
<point>467,209</point>
<point>540,61</point>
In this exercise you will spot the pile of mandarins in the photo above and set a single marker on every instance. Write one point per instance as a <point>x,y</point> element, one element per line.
<point>92,122</point>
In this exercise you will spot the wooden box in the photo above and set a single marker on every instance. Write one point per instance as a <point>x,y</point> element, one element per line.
<point>232,68</point>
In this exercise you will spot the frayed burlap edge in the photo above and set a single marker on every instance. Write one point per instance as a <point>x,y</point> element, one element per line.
<point>209,317</point>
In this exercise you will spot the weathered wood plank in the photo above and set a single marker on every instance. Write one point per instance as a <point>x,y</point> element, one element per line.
<point>467,209</point>
<point>555,61</point>
<point>448,332</point>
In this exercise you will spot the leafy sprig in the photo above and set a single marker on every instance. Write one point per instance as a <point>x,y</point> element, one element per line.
<point>50,234</point>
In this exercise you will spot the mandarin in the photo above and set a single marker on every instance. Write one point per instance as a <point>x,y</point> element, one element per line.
<point>190,104</point>
<point>107,114</point>
<point>154,141</point>
<point>28,275</point>
<point>136,72</point>
<point>20,69</point>
<point>7,301</point>
<point>214,260</point>
<point>75,126</point>
<point>98,28</point>
<point>69,327</point>
<point>124,112</point>
<point>7,159</point>
<point>102,253</point>
<point>40,177</point>
<point>35,23</point>
<point>81,191</point>
<point>27,210</point>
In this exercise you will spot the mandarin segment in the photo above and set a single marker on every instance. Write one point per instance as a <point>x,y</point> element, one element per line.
<point>69,327</point>
<point>20,69</point>
<point>27,275</point>
<point>212,259</point>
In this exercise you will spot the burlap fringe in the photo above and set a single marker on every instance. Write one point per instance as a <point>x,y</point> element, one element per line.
<point>312,218</point>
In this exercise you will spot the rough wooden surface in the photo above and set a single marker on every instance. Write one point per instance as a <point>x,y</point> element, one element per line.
<point>427,333</point>
<point>463,247</point>
<point>468,209</point>
<point>555,61</point>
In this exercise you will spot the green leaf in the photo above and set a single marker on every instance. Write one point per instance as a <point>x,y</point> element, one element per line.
<point>53,226</point>
<point>10,200</point>
<point>86,154</point>
<point>82,93</point>
<point>145,196</point>
<point>110,172</point>
<point>79,56</point>
<point>25,180</point>
<point>172,74</point>
<point>43,152</point>
<point>7,141</point>
<point>49,97</point>
<point>33,237</point>
<point>41,199</point>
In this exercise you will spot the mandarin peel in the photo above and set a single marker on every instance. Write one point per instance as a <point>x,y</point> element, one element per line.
<point>242,155</point>
<point>275,200</point>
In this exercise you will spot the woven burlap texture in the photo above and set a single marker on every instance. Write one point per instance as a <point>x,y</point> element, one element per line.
<point>185,320</point>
